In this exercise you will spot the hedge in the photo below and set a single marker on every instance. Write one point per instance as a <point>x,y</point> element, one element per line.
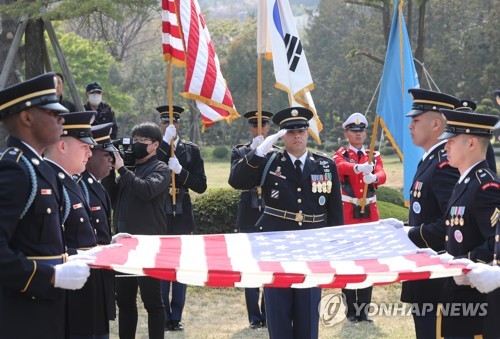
<point>215,211</point>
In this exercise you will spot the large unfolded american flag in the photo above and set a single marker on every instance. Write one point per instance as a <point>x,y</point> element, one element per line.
<point>354,256</point>
<point>187,43</point>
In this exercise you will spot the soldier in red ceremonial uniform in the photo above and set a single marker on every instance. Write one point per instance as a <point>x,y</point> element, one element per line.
<point>355,171</point>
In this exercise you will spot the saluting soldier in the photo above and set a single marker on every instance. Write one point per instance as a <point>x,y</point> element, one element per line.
<point>431,189</point>
<point>355,171</point>
<point>250,209</point>
<point>189,170</point>
<point>469,219</point>
<point>33,272</point>
<point>98,167</point>
<point>301,190</point>
<point>86,307</point>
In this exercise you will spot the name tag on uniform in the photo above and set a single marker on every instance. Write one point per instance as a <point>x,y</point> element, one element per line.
<point>46,191</point>
<point>77,206</point>
<point>96,208</point>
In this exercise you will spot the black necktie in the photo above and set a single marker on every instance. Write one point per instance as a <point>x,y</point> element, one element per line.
<point>298,170</point>
<point>360,154</point>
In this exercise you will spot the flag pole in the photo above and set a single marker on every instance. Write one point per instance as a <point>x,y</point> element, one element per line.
<point>370,158</point>
<point>259,94</point>
<point>171,121</point>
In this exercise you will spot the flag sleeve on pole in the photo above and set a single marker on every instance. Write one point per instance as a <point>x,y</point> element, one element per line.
<point>394,101</point>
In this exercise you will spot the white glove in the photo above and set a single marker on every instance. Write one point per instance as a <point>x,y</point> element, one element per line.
<point>118,236</point>
<point>91,252</point>
<point>407,229</point>
<point>369,178</point>
<point>391,221</point>
<point>462,261</point>
<point>174,165</point>
<point>484,277</point>
<point>88,259</point>
<point>428,251</point>
<point>268,143</point>
<point>462,279</point>
<point>444,257</point>
<point>71,275</point>
<point>365,168</point>
<point>257,141</point>
<point>170,133</point>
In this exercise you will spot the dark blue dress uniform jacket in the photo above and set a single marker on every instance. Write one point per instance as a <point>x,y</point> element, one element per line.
<point>491,321</point>
<point>283,190</point>
<point>30,306</point>
<point>248,209</point>
<point>86,307</point>
<point>431,189</point>
<point>100,214</point>
<point>469,234</point>
<point>192,177</point>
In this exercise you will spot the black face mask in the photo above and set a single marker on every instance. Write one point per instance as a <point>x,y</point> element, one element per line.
<point>140,150</point>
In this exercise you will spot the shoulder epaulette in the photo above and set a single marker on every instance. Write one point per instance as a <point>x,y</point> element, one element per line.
<point>342,150</point>
<point>487,179</point>
<point>12,154</point>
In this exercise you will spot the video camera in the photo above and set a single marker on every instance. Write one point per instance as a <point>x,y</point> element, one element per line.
<point>124,146</point>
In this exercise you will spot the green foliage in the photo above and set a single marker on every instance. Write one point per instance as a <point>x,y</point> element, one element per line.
<point>90,61</point>
<point>220,152</point>
<point>391,195</point>
<point>215,211</point>
<point>387,150</point>
<point>388,210</point>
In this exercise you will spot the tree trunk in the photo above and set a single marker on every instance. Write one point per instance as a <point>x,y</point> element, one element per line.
<point>387,20</point>
<point>419,52</point>
<point>8,26</point>
<point>34,46</point>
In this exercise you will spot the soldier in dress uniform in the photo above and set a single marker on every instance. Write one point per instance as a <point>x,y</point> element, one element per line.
<point>189,175</point>
<point>468,106</point>
<point>33,272</point>
<point>469,219</point>
<point>86,309</point>
<point>355,171</point>
<point>432,185</point>
<point>301,190</point>
<point>250,209</point>
<point>98,167</point>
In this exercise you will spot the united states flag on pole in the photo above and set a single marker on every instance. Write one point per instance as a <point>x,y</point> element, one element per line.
<point>187,42</point>
<point>353,256</point>
<point>277,36</point>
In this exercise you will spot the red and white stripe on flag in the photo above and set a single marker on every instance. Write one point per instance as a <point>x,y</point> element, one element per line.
<point>334,257</point>
<point>173,48</point>
<point>185,35</point>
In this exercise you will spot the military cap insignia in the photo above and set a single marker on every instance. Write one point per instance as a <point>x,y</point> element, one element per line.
<point>294,113</point>
<point>357,121</point>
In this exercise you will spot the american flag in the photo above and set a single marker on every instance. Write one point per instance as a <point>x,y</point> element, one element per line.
<point>354,256</point>
<point>187,43</point>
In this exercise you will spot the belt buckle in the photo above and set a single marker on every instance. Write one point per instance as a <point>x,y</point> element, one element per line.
<point>299,217</point>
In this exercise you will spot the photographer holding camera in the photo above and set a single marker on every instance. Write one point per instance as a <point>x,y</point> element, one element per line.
<point>140,208</point>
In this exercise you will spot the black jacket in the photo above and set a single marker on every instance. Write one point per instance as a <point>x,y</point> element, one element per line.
<point>26,290</point>
<point>282,190</point>
<point>431,189</point>
<point>104,115</point>
<point>192,177</point>
<point>141,198</point>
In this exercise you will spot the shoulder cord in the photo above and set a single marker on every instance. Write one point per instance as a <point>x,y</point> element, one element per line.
<point>67,205</point>
<point>34,184</point>
<point>85,191</point>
